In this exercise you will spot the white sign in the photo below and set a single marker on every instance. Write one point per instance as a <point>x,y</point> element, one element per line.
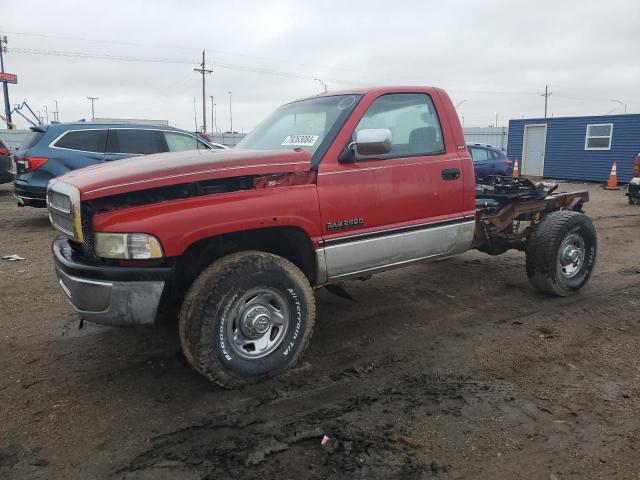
<point>300,140</point>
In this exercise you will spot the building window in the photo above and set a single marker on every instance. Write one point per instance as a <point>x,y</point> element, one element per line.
<point>599,136</point>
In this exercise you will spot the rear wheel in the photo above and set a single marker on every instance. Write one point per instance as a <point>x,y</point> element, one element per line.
<point>561,253</point>
<point>247,317</point>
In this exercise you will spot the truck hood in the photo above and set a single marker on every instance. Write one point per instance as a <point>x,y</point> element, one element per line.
<point>163,169</point>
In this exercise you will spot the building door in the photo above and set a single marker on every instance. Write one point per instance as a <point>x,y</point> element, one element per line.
<point>535,139</point>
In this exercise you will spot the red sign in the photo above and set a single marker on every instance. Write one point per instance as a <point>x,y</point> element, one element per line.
<point>8,77</point>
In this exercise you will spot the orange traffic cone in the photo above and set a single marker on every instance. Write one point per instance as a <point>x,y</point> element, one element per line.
<point>612,184</point>
<point>516,170</point>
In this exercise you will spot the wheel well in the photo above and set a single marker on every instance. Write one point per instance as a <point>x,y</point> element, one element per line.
<point>291,243</point>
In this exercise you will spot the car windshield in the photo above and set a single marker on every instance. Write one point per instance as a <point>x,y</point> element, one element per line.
<point>303,124</point>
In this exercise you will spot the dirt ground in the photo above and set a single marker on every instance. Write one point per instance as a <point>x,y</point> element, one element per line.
<point>456,369</point>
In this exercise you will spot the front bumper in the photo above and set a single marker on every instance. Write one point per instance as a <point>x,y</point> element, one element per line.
<point>117,296</point>
<point>30,195</point>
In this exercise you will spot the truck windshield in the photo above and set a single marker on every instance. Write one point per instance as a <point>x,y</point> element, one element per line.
<point>305,124</point>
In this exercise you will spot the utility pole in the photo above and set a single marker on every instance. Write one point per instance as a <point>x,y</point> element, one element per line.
<point>93,112</point>
<point>46,113</point>
<point>203,71</point>
<point>546,95</point>
<point>496,124</point>
<point>5,86</point>
<point>56,114</point>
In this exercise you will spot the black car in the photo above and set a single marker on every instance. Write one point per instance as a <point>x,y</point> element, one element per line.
<point>5,163</point>
<point>53,150</point>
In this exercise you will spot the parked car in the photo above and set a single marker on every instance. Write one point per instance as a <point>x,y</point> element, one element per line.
<point>488,160</point>
<point>6,161</point>
<point>327,188</point>
<point>53,150</point>
<point>209,140</point>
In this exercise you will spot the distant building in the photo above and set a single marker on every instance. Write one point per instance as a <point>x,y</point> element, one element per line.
<point>139,121</point>
<point>495,136</point>
<point>576,148</point>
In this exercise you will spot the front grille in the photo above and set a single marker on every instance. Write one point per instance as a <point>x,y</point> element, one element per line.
<point>63,202</point>
<point>61,221</point>
<point>59,206</point>
<point>59,201</point>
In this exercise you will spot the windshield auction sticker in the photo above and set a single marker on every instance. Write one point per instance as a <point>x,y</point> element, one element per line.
<point>300,140</point>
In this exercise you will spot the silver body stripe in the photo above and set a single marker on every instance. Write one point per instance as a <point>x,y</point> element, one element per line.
<point>366,256</point>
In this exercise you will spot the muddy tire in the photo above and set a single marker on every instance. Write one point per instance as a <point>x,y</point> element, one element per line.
<point>561,253</point>
<point>247,317</point>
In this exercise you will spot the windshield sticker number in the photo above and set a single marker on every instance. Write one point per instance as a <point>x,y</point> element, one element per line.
<point>300,140</point>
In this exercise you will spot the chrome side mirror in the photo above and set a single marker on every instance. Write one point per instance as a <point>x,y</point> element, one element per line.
<point>374,141</point>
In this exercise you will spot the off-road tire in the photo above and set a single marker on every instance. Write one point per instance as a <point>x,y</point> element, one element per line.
<point>543,250</point>
<point>210,300</point>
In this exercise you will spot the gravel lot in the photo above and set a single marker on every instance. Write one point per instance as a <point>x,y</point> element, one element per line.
<point>456,369</point>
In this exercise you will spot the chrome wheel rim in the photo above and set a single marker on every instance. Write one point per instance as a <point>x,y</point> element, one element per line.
<point>571,255</point>
<point>258,324</point>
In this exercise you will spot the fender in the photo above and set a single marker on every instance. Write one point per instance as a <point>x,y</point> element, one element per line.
<point>180,223</point>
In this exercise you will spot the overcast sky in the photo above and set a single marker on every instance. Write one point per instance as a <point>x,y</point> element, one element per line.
<point>491,56</point>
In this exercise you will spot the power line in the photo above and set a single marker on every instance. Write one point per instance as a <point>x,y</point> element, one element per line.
<point>259,70</point>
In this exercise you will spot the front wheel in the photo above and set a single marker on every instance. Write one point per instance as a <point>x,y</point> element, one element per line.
<point>561,253</point>
<point>247,317</point>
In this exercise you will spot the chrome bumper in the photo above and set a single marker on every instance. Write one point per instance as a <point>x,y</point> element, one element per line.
<point>112,303</point>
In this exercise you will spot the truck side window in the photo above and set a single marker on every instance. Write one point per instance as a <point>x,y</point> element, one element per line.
<point>413,122</point>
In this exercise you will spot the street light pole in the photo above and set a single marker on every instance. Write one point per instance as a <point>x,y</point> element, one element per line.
<point>93,112</point>
<point>230,112</point>
<point>56,114</point>
<point>324,85</point>
<point>621,104</point>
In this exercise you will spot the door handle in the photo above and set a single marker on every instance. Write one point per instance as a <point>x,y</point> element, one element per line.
<point>451,174</point>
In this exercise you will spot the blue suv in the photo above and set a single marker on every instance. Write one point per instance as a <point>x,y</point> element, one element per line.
<point>53,150</point>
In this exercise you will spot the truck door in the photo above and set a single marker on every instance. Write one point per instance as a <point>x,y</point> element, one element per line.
<point>399,207</point>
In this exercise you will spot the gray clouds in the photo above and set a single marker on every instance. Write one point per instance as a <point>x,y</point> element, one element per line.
<point>496,55</point>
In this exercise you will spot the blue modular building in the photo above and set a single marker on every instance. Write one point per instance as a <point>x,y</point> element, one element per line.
<point>575,148</point>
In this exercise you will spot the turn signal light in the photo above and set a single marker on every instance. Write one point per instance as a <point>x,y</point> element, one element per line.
<point>636,166</point>
<point>4,151</point>
<point>509,162</point>
<point>284,179</point>
<point>29,164</point>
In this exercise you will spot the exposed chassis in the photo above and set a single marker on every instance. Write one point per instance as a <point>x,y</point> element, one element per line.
<point>502,210</point>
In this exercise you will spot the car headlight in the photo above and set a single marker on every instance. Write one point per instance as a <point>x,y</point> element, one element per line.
<point>137,246</point>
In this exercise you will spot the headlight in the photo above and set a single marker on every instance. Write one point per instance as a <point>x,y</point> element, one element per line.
<point>137,246</point>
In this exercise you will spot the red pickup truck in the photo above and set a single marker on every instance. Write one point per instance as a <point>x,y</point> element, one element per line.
<point>328,188</point>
